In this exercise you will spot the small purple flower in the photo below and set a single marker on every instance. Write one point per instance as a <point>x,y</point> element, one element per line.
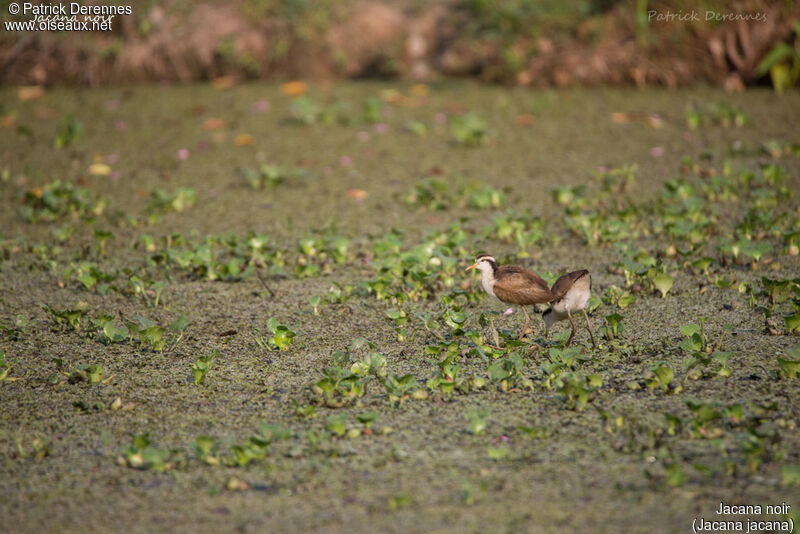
<point>261,106</point>
<point>183,154</point>
<point>347,161</point>
<point>508,311</point>
<point>112,158</point>
<point>657,151</point>
<point>121,125</point>
<point>380,128</point>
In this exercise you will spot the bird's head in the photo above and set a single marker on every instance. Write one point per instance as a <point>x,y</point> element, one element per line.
<point>484,263</point>
<point>549,318</point>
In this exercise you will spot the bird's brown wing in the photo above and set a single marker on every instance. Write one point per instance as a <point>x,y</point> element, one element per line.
<point>565,283</point>
<point>517,285</point>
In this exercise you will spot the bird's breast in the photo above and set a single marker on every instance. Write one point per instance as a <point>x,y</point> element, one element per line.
<point>487,281</point>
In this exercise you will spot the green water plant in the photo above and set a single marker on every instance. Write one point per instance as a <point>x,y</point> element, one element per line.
<point>790,367</point>
<point>476,419</point>
<point>305,110</point>
<point>141,454</point>
<point>508,372</point>
<point>281,339</point>
<point>268,176</point>
<point>577,388</point>
<point>69,132</point>
<point>782,63</point>
<point>60,199</point>
<point>612,328</point>
<point>660,374</point>
<point>5,366</point>
<point>206,449</point>
<point>69,316</point>
<point>400,388</point>
<point>179,200</point>
<point>202,365</point>
<point>469,130</point>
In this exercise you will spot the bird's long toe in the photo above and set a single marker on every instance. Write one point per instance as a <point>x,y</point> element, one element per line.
<point>524,332</point>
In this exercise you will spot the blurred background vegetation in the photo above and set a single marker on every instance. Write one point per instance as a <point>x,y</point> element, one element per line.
<point>520,42</point>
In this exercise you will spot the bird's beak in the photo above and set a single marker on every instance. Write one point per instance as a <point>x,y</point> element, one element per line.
<point>472,266</point>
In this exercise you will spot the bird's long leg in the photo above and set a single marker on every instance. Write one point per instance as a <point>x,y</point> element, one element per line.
<point>525,330</point>
<point>571,334</point>
<point>589,328</point>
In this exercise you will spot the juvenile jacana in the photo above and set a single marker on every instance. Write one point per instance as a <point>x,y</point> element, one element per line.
<point>512,284</point>
<point>572,293</point>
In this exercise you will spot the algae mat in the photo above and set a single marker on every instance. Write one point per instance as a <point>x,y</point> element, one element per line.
<point>245,309</point>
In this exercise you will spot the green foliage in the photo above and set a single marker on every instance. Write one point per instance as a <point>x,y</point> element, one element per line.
<point>400,388</point>
<point>577,388</point>
<point>72,317</point>
<point>337,424</point>
<point>229,257</point>
<point>522,229</point>
<point>782,63</point>
<point>367,419</point>
<point>206,449</point>
<point>316,304</point>
<point>373,110</point>
<point>162,201</point>
<point>612,328</point>
<point>790,368</point>
<point>18,330</point>
<point>5,366</point>
<point>790,475</point>
<point>268,176</point>
<point>497,453</point>
<point>281,339</point>
<point>70,131</point>
<point>142,455</point>
<point>715,114</point>
<point>432,193</point>
<point>57,200</point>
<point>340,386</point>
<point>695,337</point>
<point>399,319</point>
<point>304,110</point>
<point>663,282</point>
<point>81,373</point>
<point>90,277</point>
<point>792,322</point>
<point>469,129</point>
<point>659,374</point>
<point>202,365</point>
<point>476,417</point>
<point>508,372</point>
<point>147,333</point>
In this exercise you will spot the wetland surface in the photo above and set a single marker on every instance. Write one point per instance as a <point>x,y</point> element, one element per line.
<point>384,405</point>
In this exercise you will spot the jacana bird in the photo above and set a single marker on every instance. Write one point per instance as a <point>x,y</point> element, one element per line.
<point>512,284</point>
<point>572,293</point>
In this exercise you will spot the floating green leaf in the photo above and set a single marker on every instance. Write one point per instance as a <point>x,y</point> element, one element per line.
<point>663,282</point>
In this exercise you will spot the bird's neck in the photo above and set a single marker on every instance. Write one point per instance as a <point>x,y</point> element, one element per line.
<point>488,280</point>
